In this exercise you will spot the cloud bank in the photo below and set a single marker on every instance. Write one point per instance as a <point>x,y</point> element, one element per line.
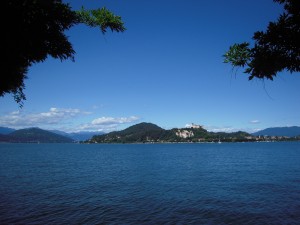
<point>229,129</point>
<point>106,124</point>
<point>63,119</point>
<point>21,119</point>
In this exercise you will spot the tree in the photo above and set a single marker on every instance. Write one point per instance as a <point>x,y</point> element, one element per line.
<point>275,50</point>
<point>36,31</point>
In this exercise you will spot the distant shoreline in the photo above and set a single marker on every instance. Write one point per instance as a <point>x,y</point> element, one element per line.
<point>232,142</point>
<point>147,143</point>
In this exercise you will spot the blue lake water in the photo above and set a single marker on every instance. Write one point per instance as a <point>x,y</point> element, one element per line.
<point>241,183</point>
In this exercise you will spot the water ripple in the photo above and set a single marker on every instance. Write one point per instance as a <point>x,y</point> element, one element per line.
<point>150,184</point>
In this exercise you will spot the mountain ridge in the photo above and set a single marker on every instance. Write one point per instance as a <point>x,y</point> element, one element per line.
<point>77,136</point>
<point>34,135</point>
<point>6,130</point>
<point>291,131</point>
<point>149,132</point>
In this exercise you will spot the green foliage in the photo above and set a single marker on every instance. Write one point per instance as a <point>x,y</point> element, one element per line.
<point>275,50</point>
<point>238,55</point>
<point>143,132</point>
<point>36,31</point>
<point>102,18</point>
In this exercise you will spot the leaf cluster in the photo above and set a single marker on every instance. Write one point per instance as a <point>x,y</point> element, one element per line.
<point>36,31</point>
<point>274,50</point>
<point>102,18</point>
<point>238,55</point>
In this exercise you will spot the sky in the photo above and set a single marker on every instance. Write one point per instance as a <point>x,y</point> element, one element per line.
<point>166,68</point>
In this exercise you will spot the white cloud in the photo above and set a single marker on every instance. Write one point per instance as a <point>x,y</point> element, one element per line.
<point>255,130</point>
<point>227,129</point>
<point>111,120</point>
<point>97,106</point>
<point>254,122</point>
<point>65,119</point>
<point>21,119</point>
<point>106,124</point>
<point>15,113</point>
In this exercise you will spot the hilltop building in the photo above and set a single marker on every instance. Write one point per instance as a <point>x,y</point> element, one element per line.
<point>195,126</point>
<point>187,133</point>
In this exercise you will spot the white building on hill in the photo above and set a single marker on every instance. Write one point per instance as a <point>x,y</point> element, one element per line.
<point>195,126</point>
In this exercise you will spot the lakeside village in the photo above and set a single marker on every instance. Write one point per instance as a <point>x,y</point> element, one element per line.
<point>151,133</point>
<point>235,137</point>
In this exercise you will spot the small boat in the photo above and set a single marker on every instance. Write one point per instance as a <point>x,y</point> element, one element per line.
<point>219,142</point>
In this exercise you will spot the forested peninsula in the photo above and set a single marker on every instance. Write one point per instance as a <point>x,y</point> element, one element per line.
<point>151,133</point>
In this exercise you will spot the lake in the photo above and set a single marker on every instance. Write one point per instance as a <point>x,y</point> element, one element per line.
<point>228,183</point>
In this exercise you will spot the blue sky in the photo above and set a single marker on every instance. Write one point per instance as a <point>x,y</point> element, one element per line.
<point>165,69</point>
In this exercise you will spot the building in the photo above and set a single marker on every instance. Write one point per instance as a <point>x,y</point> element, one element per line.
<point>195,126</point>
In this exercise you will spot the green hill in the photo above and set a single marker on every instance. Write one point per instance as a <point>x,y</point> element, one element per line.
<point>143,132</point>
<point>34,135</point>
<point>148,132</point>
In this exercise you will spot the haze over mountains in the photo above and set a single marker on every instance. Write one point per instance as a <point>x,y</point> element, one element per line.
<point>6,130</point>
<point>136,133</point>
<point>42,136</point>
<point>34,135</point>
<point>279,131</point>
<point>78,136</point>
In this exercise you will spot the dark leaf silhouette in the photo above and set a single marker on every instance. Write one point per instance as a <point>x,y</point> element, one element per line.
<point>275,50</point>
<point>36,32</point>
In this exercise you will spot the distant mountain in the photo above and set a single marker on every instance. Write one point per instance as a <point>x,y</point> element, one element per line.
<point>279,131</point>
<point>84,135</point>
<point>78,136</point>
<point>148,132</point>
<point>60,132</point>
<point>6,130</point>
<point>143,132</point>
<point>33,135</point>
<point>75,136</point>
